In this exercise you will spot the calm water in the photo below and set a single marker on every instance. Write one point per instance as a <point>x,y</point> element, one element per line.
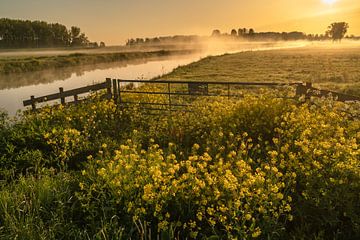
<point>17,87</point>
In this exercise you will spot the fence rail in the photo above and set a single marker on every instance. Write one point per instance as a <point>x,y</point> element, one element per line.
<point>117,88</point>
<point>70,93</point>
<point>201,88</point>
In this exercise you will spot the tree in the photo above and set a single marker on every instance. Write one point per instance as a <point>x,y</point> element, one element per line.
<point>251,31</point>
<point>102,44</point>
<point>233,32</point>
<point>24,33</point>
<point>337,30</point>
<point>216,33</point>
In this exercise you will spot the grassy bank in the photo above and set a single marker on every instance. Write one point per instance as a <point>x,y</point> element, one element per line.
<point>29,64</point>
<point>334,69</point>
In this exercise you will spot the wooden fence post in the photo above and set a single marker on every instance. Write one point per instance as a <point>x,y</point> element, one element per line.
<point>303,90</point>
<point>308,93</point>
<point>115,92</point>
<point>108,88</point>
<point>169,91</point>
<point>33,104</point>
<point>228,91</point>
<point>119,90</point>
<point>62,98</point>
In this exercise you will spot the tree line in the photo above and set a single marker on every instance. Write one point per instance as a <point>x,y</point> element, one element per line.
<point>33,34</point>
<point>163,40</point>
<point>336,31</point>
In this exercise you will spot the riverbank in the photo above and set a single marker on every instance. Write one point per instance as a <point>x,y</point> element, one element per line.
<point>328,68</point>
<point>37,63</point>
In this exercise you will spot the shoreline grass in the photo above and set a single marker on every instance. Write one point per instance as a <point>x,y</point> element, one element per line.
<point>30,64</point>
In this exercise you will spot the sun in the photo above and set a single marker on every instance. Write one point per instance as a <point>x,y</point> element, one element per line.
<point>330,2</point>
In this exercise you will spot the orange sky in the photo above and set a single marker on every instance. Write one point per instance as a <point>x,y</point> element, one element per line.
<point>114,21</point>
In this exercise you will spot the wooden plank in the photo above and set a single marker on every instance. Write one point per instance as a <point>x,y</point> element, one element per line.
<point>86,89</point>
<point>42,99</point>
<point>339,96</point>
<point>211,82</point>
<point>181,94</point>
<point>67,93</point>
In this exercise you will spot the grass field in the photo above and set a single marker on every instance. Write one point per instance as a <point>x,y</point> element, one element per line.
<point>334,69</point>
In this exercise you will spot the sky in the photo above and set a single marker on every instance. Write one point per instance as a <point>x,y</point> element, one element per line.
<point>114,21</point>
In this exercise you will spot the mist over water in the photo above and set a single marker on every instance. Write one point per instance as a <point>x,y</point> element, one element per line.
<point>14,88</point>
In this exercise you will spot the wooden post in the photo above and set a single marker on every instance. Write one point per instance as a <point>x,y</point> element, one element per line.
<point>169,91</point>
<point>228,91</point>
<point>33,104</point>
<point>308,93</point>
<point>119,90</point>
<point>76,99</point>
<point>115,90</point>
<point>62,98</point>
<point>108,87</point>
<point>301,90</point>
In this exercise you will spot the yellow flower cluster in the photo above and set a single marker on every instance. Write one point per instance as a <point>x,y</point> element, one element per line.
<point>195,193</point>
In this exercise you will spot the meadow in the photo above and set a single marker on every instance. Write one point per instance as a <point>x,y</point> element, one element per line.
<point>328,67</point>
<point>257,167</point>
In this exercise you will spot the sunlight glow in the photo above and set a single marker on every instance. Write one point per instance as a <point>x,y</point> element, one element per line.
<point>330,2</point>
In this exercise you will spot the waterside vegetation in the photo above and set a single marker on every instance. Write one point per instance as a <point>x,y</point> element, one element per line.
<point>258,167</point>
<point>35,63</point>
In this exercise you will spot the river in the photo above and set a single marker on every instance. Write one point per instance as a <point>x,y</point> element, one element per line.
<point>15,88</point>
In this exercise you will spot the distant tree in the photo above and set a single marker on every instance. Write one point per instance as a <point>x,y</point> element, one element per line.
<point>240,32</point>
<point>251,31</point>
<point>233,32</point>
<point>75,33</point>
<point>139,40</point>
<point>83,39</point>
<point>60,34</point>
<point>102,44</point>
<point>25,33</point>
<point>337,30</point>
<point>216,33</point>
<point>130,42</point>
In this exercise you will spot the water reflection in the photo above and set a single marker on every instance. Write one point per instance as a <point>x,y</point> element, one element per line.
<point>15,88</point>
<point>17,80</point>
